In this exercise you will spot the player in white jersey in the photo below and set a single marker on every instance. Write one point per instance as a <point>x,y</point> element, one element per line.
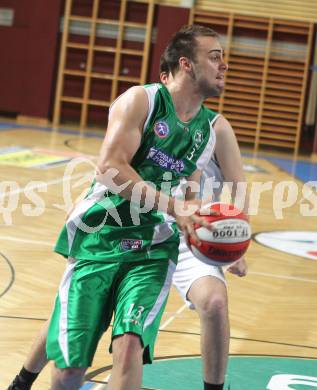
<point>203,287</point>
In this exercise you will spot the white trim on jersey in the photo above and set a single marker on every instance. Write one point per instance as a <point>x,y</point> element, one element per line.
<point>205,157</point>
<point>75,222</point>
<point>162,231</point>
<point>214,119</point>
<point>151,93</point>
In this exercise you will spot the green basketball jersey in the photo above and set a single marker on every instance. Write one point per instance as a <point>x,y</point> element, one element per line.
<point>105,226</point>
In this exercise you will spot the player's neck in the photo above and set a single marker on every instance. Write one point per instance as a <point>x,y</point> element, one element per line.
<point>186,102</point>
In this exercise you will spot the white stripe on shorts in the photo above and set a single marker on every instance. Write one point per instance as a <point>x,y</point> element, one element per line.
<point>63,298</point>
<point>162,296</point>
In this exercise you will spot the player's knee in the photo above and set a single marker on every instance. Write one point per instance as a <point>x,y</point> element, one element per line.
<point>214,305</point>
<point>68,375</point>
<point>127,348</point>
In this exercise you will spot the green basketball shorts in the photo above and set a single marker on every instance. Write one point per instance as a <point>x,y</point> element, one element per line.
<point>92,292</point>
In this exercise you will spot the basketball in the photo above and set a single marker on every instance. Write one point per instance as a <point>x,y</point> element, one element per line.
<point>229,239</point>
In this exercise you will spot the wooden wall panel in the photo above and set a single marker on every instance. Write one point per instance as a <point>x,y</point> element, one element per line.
<point>305,10</point>
<point>115,51</point>
<point>268,71</point>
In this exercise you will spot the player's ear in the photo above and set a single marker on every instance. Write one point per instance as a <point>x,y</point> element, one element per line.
<point>164,77</point>
<point>185,64</point>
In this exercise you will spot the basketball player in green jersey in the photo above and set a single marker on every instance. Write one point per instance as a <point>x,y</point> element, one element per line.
<point>120,257</point>
<point>202,286</point>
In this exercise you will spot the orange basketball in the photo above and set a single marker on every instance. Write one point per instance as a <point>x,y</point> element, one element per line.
<point>229,239</point>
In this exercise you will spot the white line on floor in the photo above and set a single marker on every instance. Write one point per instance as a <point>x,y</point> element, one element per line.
<point>178,312</point>
<point>46,183</point>
<point>265,274</point>
<point>282,277</point>
<point>26,241</point>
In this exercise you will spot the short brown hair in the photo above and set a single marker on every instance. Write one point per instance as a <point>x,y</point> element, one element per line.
<point>183,44</point>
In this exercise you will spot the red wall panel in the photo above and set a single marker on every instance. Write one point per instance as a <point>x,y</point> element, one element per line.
<point>27,66</point>
<point>12,73</point>
<point>165,29</point>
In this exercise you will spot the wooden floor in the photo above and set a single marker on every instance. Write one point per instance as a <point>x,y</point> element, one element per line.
<point>273,311</point>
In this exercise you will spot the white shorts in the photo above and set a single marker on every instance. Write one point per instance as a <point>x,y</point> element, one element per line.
<point>189,269</point>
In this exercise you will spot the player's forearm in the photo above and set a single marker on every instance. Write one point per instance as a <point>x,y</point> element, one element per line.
<point>122,179</point>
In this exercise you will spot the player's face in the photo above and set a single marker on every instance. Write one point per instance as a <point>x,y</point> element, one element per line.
<point>209,67</point>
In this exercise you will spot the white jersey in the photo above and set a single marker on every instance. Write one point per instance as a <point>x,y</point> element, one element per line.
<point>189,268</point>
<point>211,182</point>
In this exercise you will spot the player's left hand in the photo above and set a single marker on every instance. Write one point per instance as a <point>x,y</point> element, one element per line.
<point>239,267</point>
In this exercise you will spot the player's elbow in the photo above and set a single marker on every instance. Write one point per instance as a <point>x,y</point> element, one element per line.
<point>109,170</point>
<point>108,164</point>
<point>103,167</point>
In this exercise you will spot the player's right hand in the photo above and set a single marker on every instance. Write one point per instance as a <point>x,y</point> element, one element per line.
<point>187,222</point>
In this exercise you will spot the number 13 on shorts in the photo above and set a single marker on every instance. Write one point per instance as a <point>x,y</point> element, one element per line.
<point>135,311</point>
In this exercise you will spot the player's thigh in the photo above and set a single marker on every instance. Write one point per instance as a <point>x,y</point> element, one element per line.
<point>194,277</point>
<point>208,292</point>
<point>140,300</point>
<point>82,312</point>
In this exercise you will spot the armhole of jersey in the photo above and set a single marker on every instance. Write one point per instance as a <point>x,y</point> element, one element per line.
<point>213,156</point>
<point>210,146</point>
<point>214,120</point>
<point>114,102</point>
<point>151,93</point>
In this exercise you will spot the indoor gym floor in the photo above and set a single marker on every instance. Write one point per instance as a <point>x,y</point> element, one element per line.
<point>273,311</point>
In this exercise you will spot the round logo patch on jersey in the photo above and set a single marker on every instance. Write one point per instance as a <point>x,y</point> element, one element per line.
<point>198,137</point>
<point>161,129</point>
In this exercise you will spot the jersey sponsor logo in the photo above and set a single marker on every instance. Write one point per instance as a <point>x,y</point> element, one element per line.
<point>128,244</point>
<point>198,140</point>
<point>161,129</point>
<point>165,161</point>
<point>298,243</point>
